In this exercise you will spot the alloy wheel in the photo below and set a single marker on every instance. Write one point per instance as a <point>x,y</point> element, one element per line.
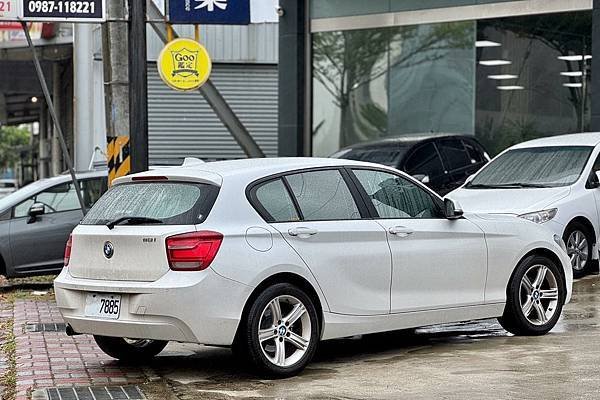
<point>284,331</point>
<point>578,250</point>
<point>539,294</point>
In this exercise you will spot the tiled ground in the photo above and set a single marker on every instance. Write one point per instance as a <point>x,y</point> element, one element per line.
<point>46,359</point>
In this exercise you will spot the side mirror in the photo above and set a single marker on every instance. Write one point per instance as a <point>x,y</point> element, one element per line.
<point>424,179</point>
<point>35,211</point>
<point>469,178</point>
<point>451,210</point>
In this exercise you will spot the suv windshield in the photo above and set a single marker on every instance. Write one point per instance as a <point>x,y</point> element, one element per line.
<point>171,203</point>
<point>534,167</point>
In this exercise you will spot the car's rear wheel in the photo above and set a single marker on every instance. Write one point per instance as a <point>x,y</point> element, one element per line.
<point>535,297</point>
<point>130,349</point>
<point>579,241</point>
<point>281,331</point>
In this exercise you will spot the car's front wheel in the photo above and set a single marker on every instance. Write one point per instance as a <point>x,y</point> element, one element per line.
<point>281,331</point>
<point>579,243</point>
<point>130,349</point>
<point>535,297</point>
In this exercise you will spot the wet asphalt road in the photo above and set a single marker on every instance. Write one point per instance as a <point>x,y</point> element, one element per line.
<point>476,360</point>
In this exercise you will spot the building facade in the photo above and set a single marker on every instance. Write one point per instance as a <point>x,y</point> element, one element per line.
<point>503,71</point>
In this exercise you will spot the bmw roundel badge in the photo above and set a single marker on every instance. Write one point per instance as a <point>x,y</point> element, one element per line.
<point>108,249</point>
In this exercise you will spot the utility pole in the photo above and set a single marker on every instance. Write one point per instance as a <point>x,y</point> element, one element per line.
<point>116,87</point>
<point>138,86</point>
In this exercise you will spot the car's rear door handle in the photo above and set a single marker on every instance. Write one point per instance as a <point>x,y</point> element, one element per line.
<point>401,231</point>
<point>302,232</point>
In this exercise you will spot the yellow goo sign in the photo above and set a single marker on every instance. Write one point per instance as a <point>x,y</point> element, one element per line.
<point>184,64</point>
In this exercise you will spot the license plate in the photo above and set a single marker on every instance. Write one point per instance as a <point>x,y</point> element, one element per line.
<point>106,306</point>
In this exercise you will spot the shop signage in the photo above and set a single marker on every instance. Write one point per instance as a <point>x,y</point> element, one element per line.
<point>184,64</point>
<point>218,12</point>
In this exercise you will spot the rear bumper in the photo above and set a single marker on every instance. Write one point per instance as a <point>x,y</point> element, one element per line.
<point>196,307</point>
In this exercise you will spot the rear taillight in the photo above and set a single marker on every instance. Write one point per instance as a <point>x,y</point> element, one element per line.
<point>68,250</point>
<point>193,251</point>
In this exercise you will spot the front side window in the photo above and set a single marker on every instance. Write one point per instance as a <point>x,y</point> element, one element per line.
<point>323,195</point>
<point>396,197</point>
<point>276,201</point>
<point>454,153</point>
<point>534,167</point>
<point>172,203</point>
<point>475,154</point>
<point>424,161</point>
<point>58,198</point>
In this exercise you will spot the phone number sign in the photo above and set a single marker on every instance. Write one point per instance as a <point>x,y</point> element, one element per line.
<point>63,10</point>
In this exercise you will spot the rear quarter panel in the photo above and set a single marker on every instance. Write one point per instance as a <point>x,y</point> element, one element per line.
<point>252,250</point>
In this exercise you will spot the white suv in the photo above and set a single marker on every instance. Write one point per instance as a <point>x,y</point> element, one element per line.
<point>551,181</point>
<point>271,256</point>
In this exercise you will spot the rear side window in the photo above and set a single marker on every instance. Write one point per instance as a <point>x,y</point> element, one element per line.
<point>323,195</point>
<point>173,203</point>
<point>454,153</point>
<point>276,201</point>
<point>424,161</point>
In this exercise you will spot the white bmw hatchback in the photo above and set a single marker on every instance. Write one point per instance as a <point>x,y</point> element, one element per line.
<point>271,256</point>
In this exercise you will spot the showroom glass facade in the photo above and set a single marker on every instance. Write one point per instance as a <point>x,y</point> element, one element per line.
<point>503,80</point>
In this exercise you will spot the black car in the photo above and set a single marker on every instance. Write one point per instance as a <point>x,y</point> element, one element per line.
<point>442,162</point>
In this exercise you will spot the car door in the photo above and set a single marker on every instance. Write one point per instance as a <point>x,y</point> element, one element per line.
<point>348,255</point>
<point>38,245</point>
<point>425,162</point>
<point>437,263</point>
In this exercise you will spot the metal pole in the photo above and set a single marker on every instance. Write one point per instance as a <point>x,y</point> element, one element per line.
<point>61,138</point>
<point>138,86</point>
<point>211,94</point>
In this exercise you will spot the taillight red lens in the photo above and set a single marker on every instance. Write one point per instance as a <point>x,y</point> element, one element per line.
<point>68,250</point>
<point>193,251</point>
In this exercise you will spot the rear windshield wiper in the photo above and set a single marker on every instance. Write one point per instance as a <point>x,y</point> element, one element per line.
<point>133,221</point>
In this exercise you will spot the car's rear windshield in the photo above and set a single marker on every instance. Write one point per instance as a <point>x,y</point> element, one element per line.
<point>536,166</point>
<point>171,203</point>
<point>389,156</point>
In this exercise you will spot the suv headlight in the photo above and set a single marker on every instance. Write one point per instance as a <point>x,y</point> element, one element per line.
<point>539,217</point>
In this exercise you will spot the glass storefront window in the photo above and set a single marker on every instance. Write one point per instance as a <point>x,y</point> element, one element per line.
<point>503,80</point>
<point>533,78</point>
<point>374,83</point>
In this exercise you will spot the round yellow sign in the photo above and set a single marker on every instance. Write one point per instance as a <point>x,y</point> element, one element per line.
<point>184,64</point>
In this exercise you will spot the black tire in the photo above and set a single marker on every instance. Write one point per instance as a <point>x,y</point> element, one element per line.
<point>589,237</point>
<point>248,345</point>
<point>129,351</point>
<point>514,319</point>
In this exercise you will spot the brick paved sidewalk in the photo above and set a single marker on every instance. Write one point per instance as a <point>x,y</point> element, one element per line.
<point>47,359</point>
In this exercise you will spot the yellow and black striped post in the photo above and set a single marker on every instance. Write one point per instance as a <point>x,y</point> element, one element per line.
<point>119,158</point>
